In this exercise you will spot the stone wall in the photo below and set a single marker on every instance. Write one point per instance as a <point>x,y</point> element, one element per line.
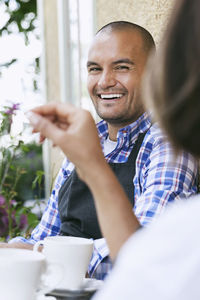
<point>151,14</point>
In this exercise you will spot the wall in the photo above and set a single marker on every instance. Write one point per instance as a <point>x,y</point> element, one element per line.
<point>151,14</point>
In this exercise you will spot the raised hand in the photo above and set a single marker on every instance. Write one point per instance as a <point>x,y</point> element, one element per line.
<point>72,129</point>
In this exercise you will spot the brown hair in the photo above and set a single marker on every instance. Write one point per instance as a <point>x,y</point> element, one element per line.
<point>173,82</point>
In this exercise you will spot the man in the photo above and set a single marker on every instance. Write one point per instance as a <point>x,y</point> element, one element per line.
<point>134,148</point>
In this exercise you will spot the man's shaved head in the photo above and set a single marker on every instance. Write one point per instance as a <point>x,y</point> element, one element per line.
<point>147,38</point>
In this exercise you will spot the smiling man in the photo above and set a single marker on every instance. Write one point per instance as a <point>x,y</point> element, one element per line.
<point>114,75</point>
<point>135,149</point>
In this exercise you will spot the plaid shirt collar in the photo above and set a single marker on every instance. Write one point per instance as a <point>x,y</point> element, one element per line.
<point>126,137</point>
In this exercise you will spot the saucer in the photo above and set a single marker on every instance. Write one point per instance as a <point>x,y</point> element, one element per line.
<point>89,287</point>
<point>42,297</point>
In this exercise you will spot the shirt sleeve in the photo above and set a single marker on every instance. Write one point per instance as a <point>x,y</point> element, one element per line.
<point>162,178</point>
<point>100,263</point>
<point>50,221</point>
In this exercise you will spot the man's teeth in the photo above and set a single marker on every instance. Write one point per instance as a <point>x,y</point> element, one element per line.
<point>110,96</point>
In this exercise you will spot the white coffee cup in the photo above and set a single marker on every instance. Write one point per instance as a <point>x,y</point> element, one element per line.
<point>72,253</point>
<point>23,274</point>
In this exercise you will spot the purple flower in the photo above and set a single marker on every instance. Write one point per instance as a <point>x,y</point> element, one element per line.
<point>2,200</point>
<point>16,106</point>
<point>9,112</point>
<point>12,109</point>
<point>13,202</point>
<point>3,212</point>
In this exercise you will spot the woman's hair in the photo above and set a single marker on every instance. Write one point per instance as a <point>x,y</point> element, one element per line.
<point>172,83</point>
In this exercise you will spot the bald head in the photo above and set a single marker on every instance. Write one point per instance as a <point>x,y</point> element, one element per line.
<point>148,41</point>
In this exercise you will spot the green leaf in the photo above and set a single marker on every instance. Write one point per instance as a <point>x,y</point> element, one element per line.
<point>24,148</point>
<point>32,218</point>
<point>38,178</point>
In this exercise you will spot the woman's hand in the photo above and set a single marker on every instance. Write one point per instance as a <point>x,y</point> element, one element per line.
<point>73,130</point>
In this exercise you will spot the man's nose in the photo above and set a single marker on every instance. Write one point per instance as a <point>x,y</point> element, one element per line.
<point>107,79</point>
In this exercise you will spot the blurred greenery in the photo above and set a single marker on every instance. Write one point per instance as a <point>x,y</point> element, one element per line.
<point>22,18</point>
<point>23,14</point>
<point>31,182</point>
<point>20,171</point>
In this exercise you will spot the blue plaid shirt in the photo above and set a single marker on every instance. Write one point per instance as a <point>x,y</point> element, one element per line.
<point>160,178</point>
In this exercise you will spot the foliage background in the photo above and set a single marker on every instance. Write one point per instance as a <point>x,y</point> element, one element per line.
<point>15,217</point>
<point>21,19</point>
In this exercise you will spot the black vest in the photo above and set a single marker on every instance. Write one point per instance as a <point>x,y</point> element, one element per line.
<point>76,204</point>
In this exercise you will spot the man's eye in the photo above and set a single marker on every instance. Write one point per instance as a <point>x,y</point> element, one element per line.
<point>94,69</point>
<point>122,67</point>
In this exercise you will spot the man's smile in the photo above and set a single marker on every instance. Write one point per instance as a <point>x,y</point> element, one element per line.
<point>110,96</point>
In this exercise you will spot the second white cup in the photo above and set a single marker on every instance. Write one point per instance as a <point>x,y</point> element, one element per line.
<point>72,253</point>
<point>25,275</point>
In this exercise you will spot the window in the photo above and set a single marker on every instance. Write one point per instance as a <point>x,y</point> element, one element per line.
<point>76,30</point>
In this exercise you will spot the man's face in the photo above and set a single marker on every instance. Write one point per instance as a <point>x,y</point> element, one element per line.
<point>115,65</point>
